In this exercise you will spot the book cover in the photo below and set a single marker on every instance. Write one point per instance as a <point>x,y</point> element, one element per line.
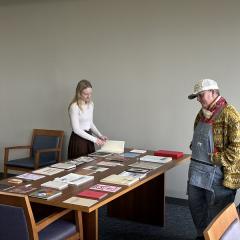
<point>138,151</point>
<point>167,153</point>
<point>156,159</point>
<point>30,176</point>
<point>48,171</point>
<point>81,201</point>
<point>109,164</point>
<point>146,165</point>
<point>121,180</point>
<point>105,188</point>
<point>92,194</point>
<point>55,184</point>
<point>45,193</point>
<point>23,189</point>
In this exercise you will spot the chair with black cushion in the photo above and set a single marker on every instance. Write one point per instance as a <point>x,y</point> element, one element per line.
<point>225,226</point>
<point>17,221</point>
<point>45,149</point>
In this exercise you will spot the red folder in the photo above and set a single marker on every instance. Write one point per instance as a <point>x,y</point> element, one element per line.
<point>92,194</point>
<point>166,153</point>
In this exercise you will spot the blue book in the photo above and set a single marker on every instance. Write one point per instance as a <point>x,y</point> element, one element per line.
<point>130,154</point>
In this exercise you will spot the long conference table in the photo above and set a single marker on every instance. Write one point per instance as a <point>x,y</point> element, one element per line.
<point>143,201</point>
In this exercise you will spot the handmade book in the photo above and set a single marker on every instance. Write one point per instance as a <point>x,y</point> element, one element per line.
<point>146,165</point>
<point>23,189</point>
<point>96,168</point>
<point>30,176</point>
<point>74,179</point>
<point>4,187</point>
<point>156,159</point>
<point>45,193</point>
<point>113,147</point>
<point>133,174</point>
<point>99,154</point>
<point>59,185</point>
<point>92,194</point>
<point>138,170</point>
<point>109,164</point>
<point>66,166</point>
<point>84,159</point>
<point>48,171</point>
<point>105,188</point>
<point>166,153</point>
<point>121,180</point>
<point>81,201</point>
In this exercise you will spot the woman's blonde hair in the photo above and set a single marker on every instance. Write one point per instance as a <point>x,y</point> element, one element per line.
<point>83,84</point>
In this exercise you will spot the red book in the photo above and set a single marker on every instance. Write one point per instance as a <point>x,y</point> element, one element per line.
<point>166,153</point>
<point>92,194</point>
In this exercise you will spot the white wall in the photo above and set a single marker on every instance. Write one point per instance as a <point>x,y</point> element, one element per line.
<point>142,56</point>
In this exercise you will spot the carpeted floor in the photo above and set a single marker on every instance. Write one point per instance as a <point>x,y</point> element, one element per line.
<point>179,226</point>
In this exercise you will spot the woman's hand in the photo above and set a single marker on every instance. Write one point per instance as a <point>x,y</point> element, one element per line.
<point>100,142</point>
<point>104,138</point>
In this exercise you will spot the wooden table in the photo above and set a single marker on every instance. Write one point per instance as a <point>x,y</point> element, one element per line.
<point>143,202</point>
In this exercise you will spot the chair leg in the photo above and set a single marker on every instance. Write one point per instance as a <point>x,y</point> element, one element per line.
<point>5,172</point>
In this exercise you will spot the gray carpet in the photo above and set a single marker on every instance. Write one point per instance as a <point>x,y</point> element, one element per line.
<point>178,226</point>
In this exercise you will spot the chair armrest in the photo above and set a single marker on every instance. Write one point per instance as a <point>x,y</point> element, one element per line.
<point>17,147</point>
<point>6,151</point>
<point>50,219</point>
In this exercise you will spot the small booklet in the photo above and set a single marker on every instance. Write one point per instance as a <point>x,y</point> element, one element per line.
<point>146,165</point>
<point>105,188</point>
<point>48,171</point>
<point>96,168</point>
<point>66,166</point>
<point>30,176</point>
<point>23,189</point>
<point>109,164</point>
<point>133,174</point>
<point>55,184</point>
<point>99,154</point>
<point>156,159</point>
<point>45,193</point>
<point>121,180</point>
<point>92,194</point>
<point>74,179</point>
<point>138,151</point>
<point>138,170</point>
<point>130,154</point>
<point>113,147</point>
<point>81,201</point>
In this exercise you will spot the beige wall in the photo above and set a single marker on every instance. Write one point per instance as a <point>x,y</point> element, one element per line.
<point>142,57</point>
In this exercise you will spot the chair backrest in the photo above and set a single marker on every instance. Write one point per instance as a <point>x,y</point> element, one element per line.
<point>223,225</point>
<point>44,139</point>
<point>16,217</point>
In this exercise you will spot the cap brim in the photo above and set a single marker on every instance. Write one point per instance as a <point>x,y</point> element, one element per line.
<point>192,96</point>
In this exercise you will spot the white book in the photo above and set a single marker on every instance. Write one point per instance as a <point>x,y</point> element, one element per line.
<point>113,147</point>
<point>138,151</point>
<point>74,179</point>
<point>121,180</point>
<point>84,159</point>
<point>55,184</point>
<point>133,174</point>
<point>109,164</point>
<point>48,171</point>
<point>156,159</point>
<point>86,202</point>
<point>66,166</point>
<point>30,176</point>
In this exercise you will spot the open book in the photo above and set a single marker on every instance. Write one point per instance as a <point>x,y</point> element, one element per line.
<point>113,147</point>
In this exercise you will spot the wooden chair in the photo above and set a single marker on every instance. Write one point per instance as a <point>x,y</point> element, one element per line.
<point>225,225</point>
<point>18,222</point>
<point>45,149</point>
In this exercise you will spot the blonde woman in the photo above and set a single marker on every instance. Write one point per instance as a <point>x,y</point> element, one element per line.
<point>80,110</point>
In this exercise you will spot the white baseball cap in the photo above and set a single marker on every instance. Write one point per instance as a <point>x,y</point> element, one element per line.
<point>203,85</point>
